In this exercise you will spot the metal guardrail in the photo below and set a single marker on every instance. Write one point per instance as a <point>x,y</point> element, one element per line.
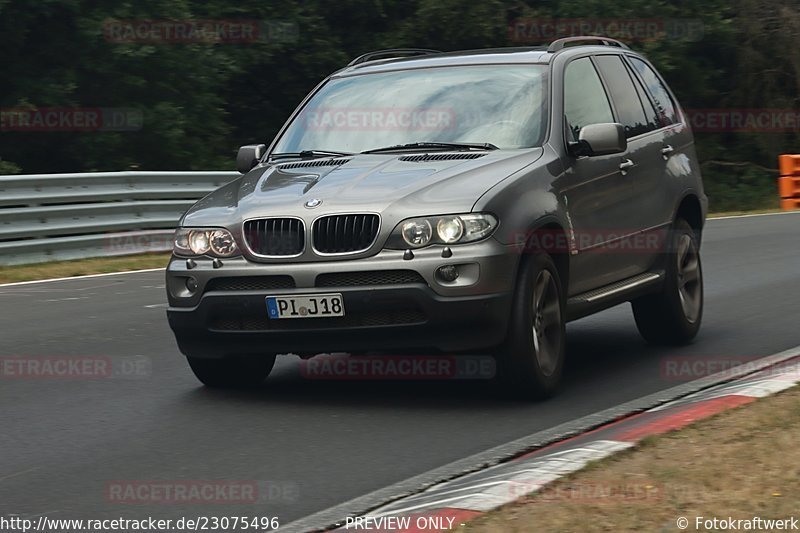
<point>45,217</point>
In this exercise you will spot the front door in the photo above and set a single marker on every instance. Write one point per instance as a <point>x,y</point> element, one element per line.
<point>597,190</point>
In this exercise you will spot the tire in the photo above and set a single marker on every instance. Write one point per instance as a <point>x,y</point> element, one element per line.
<point>232,372</point>
<point>530,365</point>
<point>673,316</point>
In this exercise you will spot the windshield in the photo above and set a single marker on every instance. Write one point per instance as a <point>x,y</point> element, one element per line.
<point>504,105</point>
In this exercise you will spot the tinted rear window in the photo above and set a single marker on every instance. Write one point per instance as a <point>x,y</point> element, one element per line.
<point>626,100</point>
<point>664,105</point>
<point>653,122</point>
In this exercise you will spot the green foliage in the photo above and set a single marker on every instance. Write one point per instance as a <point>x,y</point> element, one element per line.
<point>739,187</point>
<point>7,167</point>
<point>199,101</point>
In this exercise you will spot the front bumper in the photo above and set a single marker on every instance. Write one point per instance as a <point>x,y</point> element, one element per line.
<point>385,313</point>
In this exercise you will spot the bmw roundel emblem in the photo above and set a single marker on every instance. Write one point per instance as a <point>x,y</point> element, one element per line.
<point>314,202</point>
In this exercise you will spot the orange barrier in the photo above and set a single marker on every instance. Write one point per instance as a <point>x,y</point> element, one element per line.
<point>789,182</point>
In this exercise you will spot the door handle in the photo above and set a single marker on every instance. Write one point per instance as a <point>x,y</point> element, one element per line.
<point>625,165</point>
<point>668,149</point>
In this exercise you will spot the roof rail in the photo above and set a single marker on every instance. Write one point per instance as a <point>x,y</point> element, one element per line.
<point>392,52</point>
<point>560,44</point>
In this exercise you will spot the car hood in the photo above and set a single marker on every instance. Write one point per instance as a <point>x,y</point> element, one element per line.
<point>409,183</point>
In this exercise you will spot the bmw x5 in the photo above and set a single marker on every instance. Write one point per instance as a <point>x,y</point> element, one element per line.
<point>424,202</point>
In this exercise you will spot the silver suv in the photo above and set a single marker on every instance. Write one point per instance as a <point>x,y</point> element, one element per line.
<point>427,202</point>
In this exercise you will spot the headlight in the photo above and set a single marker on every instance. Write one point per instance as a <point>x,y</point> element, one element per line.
<point>416,233</point>
<point>180,245</point>
<point>214,242</point>
<point>198,242</point>
<point>222,243</point>
<point>477,225</point>
<point>450,229</point>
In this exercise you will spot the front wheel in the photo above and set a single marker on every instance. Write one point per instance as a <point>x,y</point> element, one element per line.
<point>532,360</point>
<point>673,316</point>
<point>232,372</point>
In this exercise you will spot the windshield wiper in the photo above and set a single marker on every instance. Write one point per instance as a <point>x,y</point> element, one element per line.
<point>308,154</point>
<point>437,145</point>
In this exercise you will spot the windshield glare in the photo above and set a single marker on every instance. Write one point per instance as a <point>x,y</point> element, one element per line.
<point>499,104</point>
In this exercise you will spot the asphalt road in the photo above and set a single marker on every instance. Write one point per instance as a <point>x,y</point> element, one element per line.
<point>65,445</point>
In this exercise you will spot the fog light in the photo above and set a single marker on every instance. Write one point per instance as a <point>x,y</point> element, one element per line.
<point>447,273</point>
<point>191,284</point>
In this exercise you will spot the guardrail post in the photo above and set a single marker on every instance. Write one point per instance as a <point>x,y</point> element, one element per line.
<point>789,182</point>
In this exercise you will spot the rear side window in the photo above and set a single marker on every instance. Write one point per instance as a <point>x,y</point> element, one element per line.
<point>664,105</point>
<point>585,100</point>
<point>653,122</point>
<point>626,100</point>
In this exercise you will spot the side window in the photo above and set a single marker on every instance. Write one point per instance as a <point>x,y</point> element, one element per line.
<point>664,106</point>
<point>585,100</point>
<point>650,112</point>
<point>623,93</point>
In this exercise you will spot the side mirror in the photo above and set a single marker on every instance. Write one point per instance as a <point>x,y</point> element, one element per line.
<point>600,139</point>
<point>249,156</point>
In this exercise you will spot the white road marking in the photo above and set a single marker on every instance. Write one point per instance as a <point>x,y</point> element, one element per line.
<point>753,215</point>
<point>9,476</point>
<point>45,513</point>
<point>80,277</point>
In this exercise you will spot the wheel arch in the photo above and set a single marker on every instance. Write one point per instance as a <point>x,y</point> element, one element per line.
<point>690,209</point>
<point>552,228</point>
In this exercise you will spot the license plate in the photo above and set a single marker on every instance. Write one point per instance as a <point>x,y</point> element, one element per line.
<point>307,306</point>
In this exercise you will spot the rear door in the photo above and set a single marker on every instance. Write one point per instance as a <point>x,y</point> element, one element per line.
<point>659,192</point>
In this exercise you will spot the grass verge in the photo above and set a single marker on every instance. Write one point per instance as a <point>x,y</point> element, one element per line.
<point>742,463</point>
<point>81,267</point>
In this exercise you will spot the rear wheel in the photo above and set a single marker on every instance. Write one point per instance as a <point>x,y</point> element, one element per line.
<point>532,360</point>
<point>673,316</point>
<point>232,372</point>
